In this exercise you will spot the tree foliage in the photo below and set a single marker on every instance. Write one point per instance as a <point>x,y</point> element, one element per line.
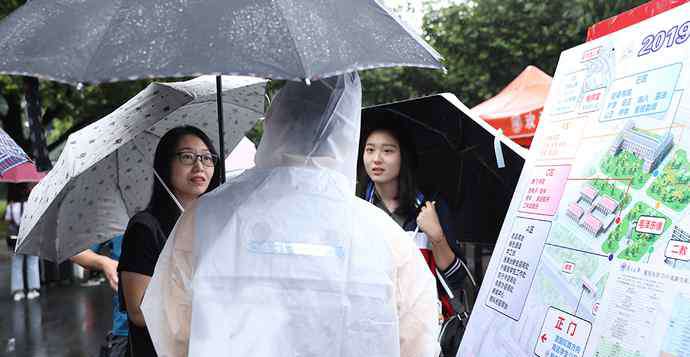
<point>486,43</point>
<point>672,187</point>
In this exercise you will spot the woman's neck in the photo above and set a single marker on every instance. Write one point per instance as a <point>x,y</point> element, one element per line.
<point>388,192</point>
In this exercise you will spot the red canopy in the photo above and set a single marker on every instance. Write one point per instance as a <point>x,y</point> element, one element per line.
<point>631,17</point>
<point>25,172</point>
<point>517,108</point>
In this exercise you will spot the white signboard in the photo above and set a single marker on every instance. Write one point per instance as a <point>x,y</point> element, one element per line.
<point>562,334</point>
<point>645,312</point>
<point>607,182</point>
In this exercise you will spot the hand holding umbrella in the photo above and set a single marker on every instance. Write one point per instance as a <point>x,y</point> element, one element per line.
<point>430,224</point>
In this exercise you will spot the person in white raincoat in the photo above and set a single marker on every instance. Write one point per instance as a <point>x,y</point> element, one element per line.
<point>284,260</point>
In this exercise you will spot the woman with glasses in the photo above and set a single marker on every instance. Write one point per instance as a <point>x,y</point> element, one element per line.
<point>185,168</point>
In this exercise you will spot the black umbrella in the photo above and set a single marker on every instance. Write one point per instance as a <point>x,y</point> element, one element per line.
<point>95,41</point>
<point>457,161</point>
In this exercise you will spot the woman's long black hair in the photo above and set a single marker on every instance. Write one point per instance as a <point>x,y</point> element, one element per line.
<point>161,205</point>
<point>407,184</point>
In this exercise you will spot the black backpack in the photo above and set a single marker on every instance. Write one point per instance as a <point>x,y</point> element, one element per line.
<point>454,327</point>
<point>451,336</point>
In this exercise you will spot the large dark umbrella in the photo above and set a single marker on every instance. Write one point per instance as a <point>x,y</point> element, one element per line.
<point>99,41</point>
<point>95,41</point>
<point>457,161</point>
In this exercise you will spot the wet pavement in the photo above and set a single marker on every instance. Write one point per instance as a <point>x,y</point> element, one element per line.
<point>67,320</point>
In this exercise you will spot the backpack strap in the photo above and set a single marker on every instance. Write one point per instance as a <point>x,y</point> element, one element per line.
<point>369,194</point>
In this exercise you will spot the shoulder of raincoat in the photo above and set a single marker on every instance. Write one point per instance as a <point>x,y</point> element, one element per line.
<point>285,260</point>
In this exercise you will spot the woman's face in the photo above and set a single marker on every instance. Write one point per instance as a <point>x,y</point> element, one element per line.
<point>190,180</point>
<point>382,157</point>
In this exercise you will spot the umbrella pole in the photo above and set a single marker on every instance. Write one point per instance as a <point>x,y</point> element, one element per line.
<point>221,131</point>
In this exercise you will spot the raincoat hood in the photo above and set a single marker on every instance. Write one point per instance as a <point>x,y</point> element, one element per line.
<point>314,125</point>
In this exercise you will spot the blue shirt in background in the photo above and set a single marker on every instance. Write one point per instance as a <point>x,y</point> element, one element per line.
<point>119,316</point>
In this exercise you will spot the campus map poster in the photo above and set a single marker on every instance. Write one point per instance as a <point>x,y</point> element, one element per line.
<point>593,258</point>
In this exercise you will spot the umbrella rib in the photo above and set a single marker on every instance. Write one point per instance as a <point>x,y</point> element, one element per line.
<point>148,131</point>
<point>488,167</point>
<point>427,127</point>
<point>100,42</point>
<point>294,39</point>
<point>471,149</point>
<point>229,103</point>
<point>437,56</point>
<point>56,241</point>
<point>117,178</point>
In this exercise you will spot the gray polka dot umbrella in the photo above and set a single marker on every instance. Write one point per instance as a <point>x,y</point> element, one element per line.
<point>105,173</point>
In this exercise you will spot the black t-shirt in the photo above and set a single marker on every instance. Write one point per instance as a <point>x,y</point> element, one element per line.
<point>143,242</point>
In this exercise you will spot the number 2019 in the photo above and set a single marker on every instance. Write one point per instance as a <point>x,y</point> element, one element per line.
<point>676,35</point>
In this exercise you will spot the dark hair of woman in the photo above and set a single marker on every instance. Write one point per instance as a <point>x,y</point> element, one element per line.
<point>161,205</point>
<point>407,184</point>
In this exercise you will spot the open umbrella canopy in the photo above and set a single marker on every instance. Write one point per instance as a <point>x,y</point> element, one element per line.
<point>105,173</point>
<point>25,172</point>
<point>457,161</point>
<point>109,40</point>
<point>11,154</point>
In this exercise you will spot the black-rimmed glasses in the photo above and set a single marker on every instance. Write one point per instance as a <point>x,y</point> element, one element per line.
<point>190,158</point>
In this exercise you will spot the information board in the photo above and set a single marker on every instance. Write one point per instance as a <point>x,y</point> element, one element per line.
<point>593,257</point>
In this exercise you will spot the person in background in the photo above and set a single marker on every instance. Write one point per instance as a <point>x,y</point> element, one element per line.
<point>116,344</point>
<point>184,163</point>
<point>387,180</point>
<point>17,197</point>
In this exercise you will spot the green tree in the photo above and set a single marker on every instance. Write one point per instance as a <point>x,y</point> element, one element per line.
<point>487,43</point>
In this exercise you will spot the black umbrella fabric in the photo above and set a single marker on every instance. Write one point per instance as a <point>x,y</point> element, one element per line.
<point>457,160</point>
<point>96,41</point>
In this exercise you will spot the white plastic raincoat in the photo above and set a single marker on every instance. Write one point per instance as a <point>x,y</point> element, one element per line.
<point>284,260</point>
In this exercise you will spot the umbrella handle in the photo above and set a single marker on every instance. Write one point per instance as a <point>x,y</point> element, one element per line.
<point>221,129</point>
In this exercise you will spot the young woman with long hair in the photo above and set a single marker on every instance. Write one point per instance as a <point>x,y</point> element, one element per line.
<point>185,162</point>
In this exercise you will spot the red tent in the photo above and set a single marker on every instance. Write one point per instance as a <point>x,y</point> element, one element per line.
<point>631,17</point>
<point>517,108</point>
